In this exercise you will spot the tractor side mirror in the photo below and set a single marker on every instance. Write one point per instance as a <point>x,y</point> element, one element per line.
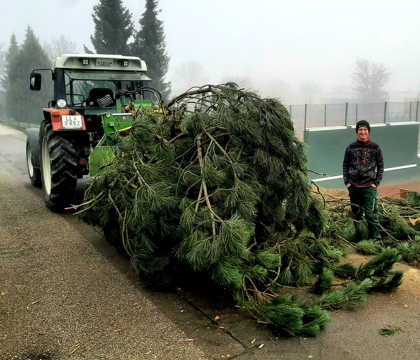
<point>35,82</point>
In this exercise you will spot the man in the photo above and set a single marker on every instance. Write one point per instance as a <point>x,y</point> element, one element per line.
<point>363,168</point>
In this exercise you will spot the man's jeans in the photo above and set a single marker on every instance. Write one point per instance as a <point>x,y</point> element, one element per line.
<point>366,200</point>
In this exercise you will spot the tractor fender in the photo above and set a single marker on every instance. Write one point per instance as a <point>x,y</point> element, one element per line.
<point>33,140</point>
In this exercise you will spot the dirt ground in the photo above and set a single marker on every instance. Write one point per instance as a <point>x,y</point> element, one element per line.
<point>398,191</point>
<point>394,191</point>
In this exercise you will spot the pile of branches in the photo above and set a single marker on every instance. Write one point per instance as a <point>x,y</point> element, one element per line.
<point>215,183</point>
<point>399,220</point>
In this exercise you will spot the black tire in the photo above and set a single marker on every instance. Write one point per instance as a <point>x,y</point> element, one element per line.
<point>33,172</point>
<point>58,168</point>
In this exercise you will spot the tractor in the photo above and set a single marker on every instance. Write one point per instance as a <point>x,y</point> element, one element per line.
<point>94,98</point>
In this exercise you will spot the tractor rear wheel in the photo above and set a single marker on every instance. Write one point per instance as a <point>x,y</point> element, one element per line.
<point>34,172</point>
<point>58,168</point>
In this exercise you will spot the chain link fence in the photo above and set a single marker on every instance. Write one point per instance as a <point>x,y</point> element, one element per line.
<point>323,115</point>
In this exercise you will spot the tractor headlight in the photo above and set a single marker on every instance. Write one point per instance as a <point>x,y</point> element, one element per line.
<point>85,61</point>
<point>61,103</point>
<point>123,62</point>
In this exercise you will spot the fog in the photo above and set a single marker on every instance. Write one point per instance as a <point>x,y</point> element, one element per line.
<point>280,48</point>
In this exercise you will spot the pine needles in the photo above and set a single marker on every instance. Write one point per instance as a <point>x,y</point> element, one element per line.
<point>389,331</point>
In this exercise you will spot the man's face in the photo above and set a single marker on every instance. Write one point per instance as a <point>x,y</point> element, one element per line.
<point>363,133</point>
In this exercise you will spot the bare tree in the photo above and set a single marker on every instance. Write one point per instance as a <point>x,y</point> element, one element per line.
<point>368,80</point>
<point>188,74</point>
<point>60,46</point>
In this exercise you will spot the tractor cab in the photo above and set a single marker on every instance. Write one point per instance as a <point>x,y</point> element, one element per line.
<point>93,81</point>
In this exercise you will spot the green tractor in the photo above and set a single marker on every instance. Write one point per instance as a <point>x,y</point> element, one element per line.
<point>94,97</point>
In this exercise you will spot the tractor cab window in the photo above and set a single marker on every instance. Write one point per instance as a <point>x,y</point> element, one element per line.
<point>134,85</point>
<point>90,93</point>
<point>98,88</point>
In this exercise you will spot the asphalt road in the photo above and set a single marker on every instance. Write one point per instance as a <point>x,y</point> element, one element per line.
<point>65,293</point>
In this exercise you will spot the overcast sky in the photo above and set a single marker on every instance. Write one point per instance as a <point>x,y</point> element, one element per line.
<point>294,41</point>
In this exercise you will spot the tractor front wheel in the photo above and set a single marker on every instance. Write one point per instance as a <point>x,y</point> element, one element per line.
<point>58,168</point>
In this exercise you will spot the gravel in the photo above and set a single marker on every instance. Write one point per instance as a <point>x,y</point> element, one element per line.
<point>62,298</point>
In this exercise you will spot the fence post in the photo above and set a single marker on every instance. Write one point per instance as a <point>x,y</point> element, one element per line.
<point>385,108</point>
<point>306,109</point>
<point>325,115</point>
<point>357,109</point>
<point>345,115</point>
<point>409,117</point>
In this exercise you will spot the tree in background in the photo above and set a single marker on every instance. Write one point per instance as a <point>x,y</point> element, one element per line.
<point>2,72</point>
<point>149,44</point>
<point>60,46</point>
<point>20,64</point>
<point>8,74</point>
<point>113,28</point>
<point>188,74</point>
<point>2,59</point>
<point>7,58</point>
<point>306,91</point>
<point>369,79</point>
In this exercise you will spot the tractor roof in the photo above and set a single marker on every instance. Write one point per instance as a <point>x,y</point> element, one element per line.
<point>100,62</point>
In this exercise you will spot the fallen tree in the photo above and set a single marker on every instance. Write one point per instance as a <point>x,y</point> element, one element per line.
<point>216,183</point>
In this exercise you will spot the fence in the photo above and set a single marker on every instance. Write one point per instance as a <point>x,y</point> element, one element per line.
<point>323,115</point>
<point>303,116</point>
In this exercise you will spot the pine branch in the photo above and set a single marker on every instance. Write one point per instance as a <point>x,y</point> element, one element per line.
<point>324,282</point>
<point>204,186</point>
<point>351,297</point>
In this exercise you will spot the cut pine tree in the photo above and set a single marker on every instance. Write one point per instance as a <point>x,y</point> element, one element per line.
<point>215,183</point>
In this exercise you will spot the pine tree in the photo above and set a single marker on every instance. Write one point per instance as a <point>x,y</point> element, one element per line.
<point>8,59</point>
<point>113,28</point>
<point>2,69</point>
<point>150,46</point>
<point>213,188</point>
<point>30,56</point>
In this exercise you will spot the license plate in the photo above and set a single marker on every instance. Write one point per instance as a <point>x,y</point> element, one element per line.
<point>72,121</point>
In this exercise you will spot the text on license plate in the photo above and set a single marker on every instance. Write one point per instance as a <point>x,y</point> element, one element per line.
<point>72,121</point>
